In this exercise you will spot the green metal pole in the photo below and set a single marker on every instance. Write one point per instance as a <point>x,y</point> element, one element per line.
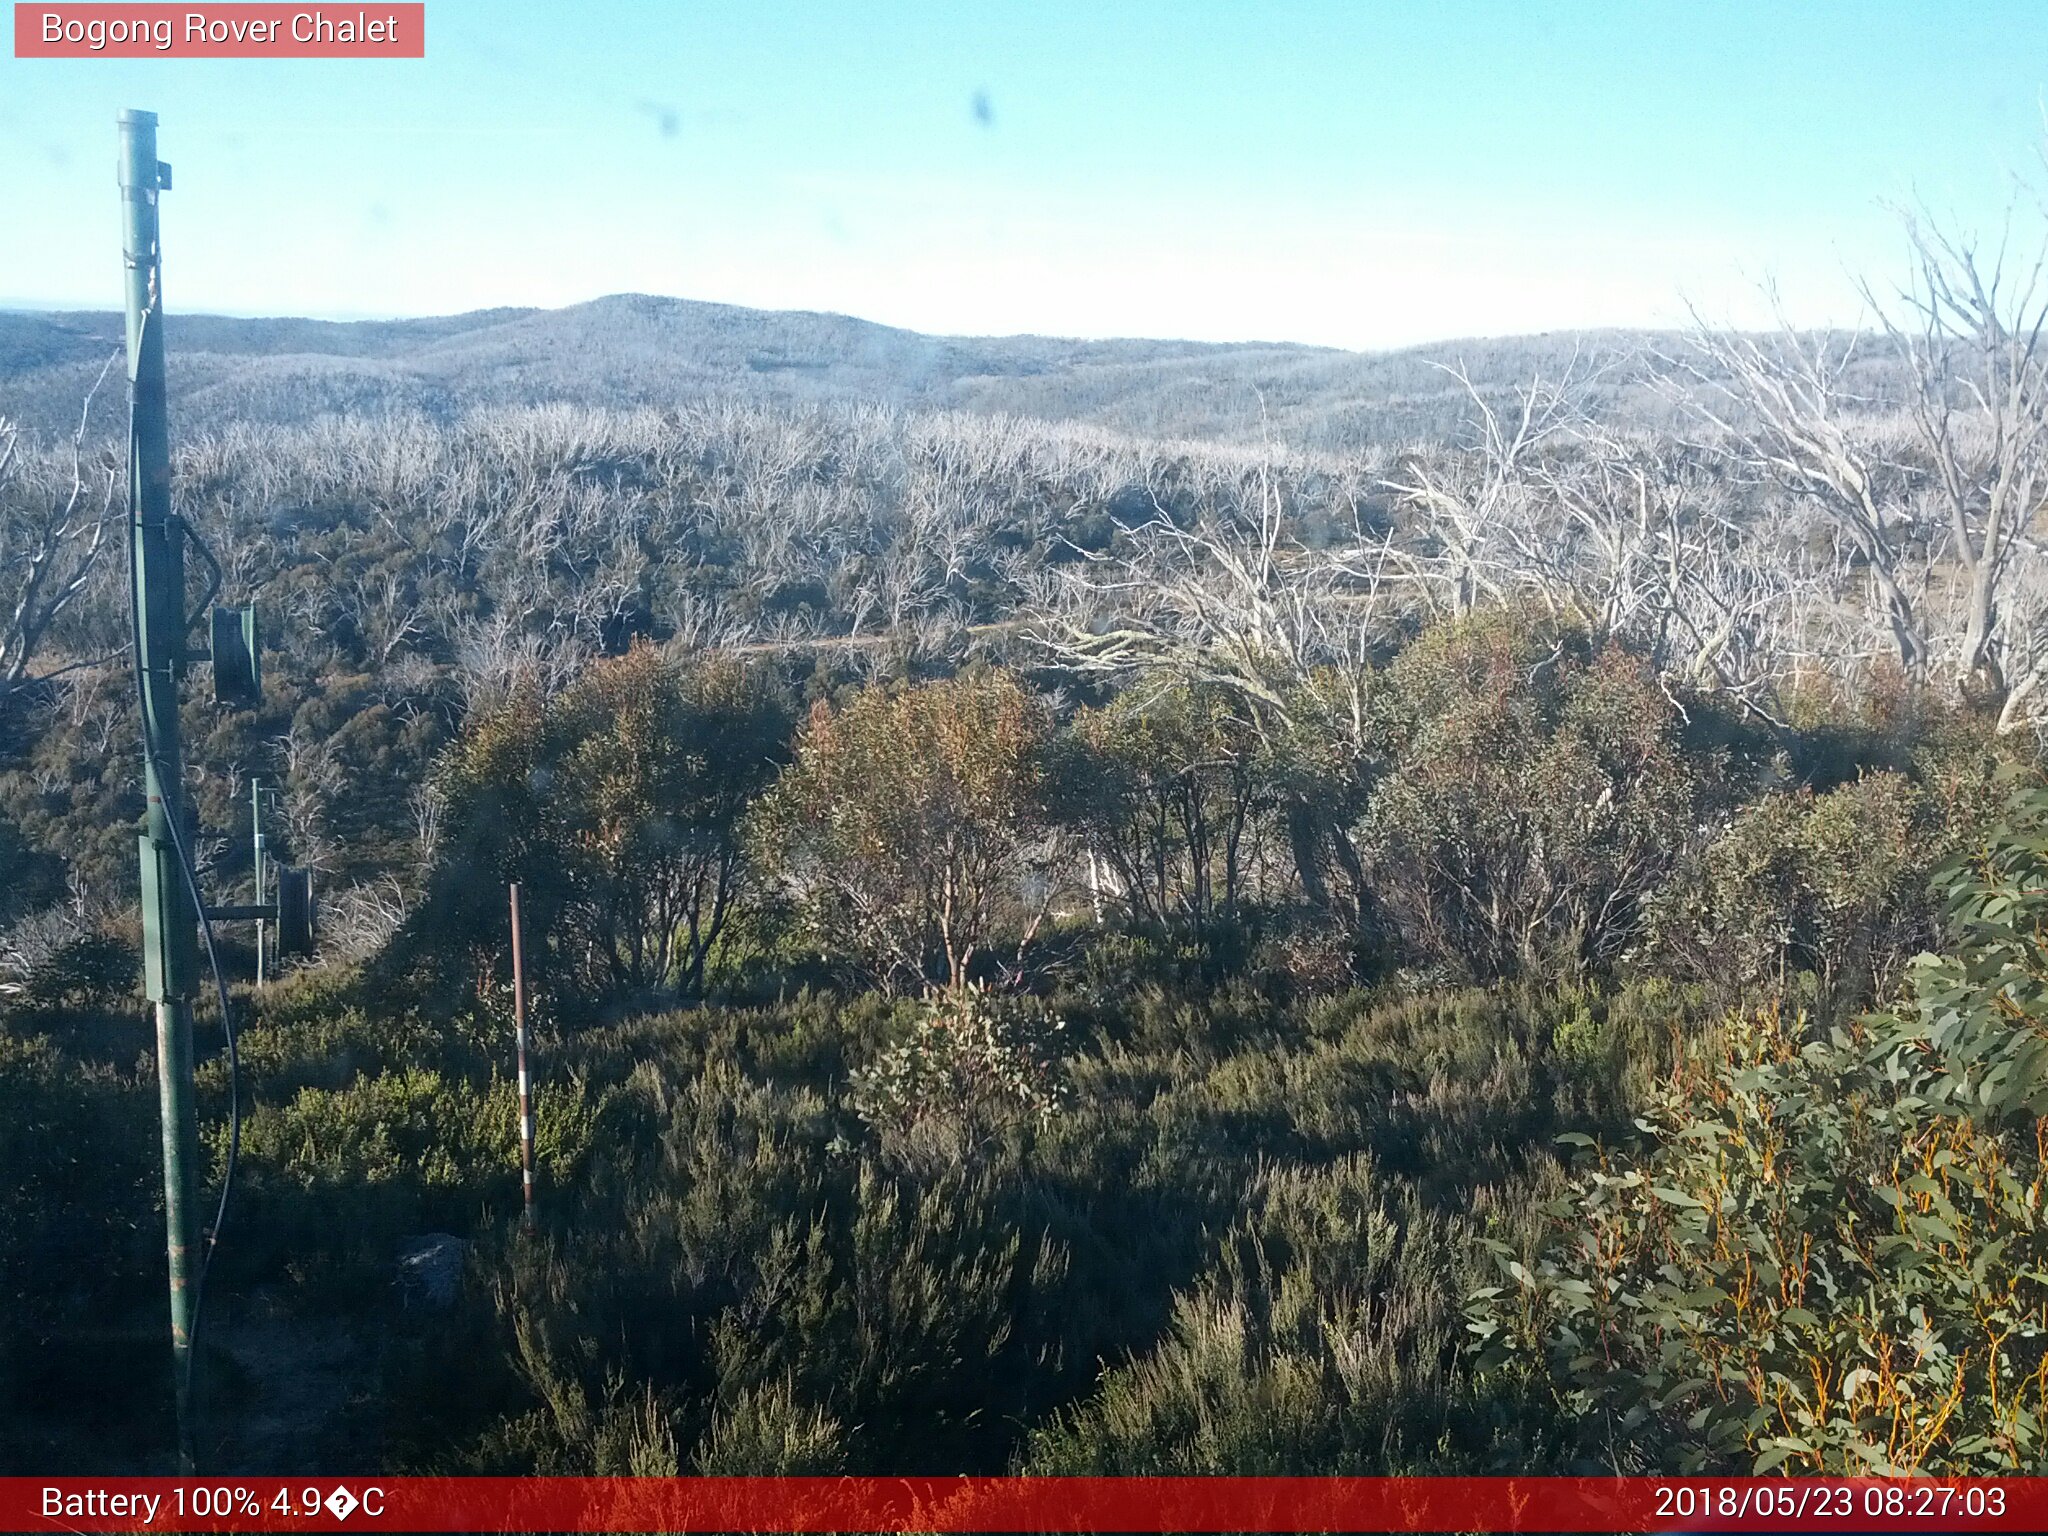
<point>256,787</point>
<point>170,956</point>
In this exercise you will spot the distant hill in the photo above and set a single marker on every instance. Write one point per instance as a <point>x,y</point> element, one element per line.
<point>632,349</point>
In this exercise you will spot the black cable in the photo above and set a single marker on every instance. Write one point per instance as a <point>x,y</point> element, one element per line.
<point>172,792</point>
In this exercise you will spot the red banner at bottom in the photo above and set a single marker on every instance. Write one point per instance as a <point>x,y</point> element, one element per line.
<point>1137,1504</point>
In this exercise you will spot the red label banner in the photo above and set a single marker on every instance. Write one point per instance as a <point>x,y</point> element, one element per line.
<point>241,31</point>
<point>983,1504</point>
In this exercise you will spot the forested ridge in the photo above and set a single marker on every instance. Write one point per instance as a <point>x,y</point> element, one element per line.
<point>640,350</point>
<point>1093,908</point>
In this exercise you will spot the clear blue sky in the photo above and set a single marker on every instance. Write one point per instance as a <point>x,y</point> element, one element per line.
<point>1358,174</point>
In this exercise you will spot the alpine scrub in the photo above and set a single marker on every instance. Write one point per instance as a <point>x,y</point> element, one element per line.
<point>1826,1251</point>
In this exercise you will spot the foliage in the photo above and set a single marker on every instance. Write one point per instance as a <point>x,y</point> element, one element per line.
<point>30,874</point>
<point>976,1062</point>
<point>1830,1256</point>
<point>1320,1343</point>
<point>417,1127</point>
<point>1811,1269</point>
<point>500,822</point>
<point>53,959</point>
<point>664,765</point>
<point>1164,785</point>
<point>911,825</point>
<point>78,1245</point>
<point>1535,793</point>
<point>766,1432</point>
<point>731,1272</point>
<point>1973,1027</point>
<point>763,1282</point>
<point>616,805</point>
<point>335,1177</point>
<point>1834,884</point>
<point>1219,1220</point>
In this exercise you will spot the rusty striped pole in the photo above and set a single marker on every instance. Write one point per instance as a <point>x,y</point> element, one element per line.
<point>519,1035</point>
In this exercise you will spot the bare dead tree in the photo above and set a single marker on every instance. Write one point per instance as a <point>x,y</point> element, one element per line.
<point>1781,408</point>
<point>1646,545</point>
<point>1969,325</point>
<point>1472,504</point>
<point>1236,602</point>
<point>1219,603</point>
<point>314,781</point>
<point>359,921</point>
<point>51,537</point>
<point>386,611</point>
<point>494,654</point>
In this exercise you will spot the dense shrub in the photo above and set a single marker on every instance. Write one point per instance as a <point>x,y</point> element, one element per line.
<point>911,827</point>
<point>1830,1257</point>
<point>1810,1269</point>
<point>758,1281</point>
<point>81,1251</point>
<point>80,1141</point>
<point>417,1127</point>
<point>616,805</point>
<point>1166,787</point>
<point>337,1176</point>
<point>54,959</point>
<point>1322,1342</point>
<point>1207,1203</point>
<point>1534,795</point>
<point>976,1063</point>
<point>663,763</point>
<point>34,875</point>
<point>1832,884</point>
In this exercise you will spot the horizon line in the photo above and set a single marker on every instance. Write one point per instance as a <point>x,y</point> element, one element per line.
<point>13,305</point>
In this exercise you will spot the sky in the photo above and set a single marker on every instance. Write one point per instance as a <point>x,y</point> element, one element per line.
<point>1359,173</point>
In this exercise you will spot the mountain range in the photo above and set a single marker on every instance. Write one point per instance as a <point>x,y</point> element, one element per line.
<point>639,350</point>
